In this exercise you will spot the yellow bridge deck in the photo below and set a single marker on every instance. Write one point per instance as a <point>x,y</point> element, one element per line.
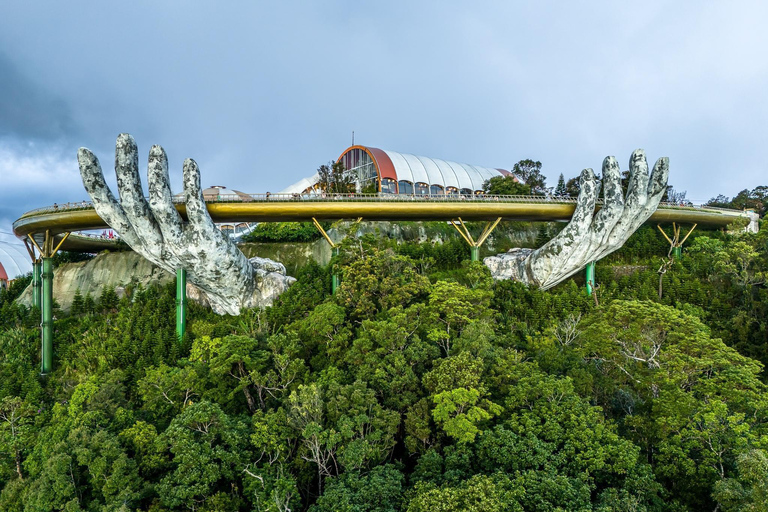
<point>81,216</point>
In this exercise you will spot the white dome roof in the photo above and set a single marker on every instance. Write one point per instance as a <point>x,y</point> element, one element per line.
<point>14,257</point>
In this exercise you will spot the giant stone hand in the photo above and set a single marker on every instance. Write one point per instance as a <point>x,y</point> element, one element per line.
<point>590,236</point>
<point>155,229</point>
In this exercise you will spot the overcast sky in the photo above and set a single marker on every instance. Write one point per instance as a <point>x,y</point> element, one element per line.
<point>262,93</point>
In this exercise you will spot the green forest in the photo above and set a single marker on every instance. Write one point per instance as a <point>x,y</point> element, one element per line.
<point>420,385</point>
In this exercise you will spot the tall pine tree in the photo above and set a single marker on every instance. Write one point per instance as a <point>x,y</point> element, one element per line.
<point>560,189</point>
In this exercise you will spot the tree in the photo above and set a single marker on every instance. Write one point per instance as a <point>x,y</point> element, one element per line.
<point>166,391</point>
<point>89,305</point>
<point>561,190</point>
<point>235,359</point>
<point>720,201</point>
<point>209,451</point>
<point>749,491</point>
<point>452,308</point>
<point>688,400</point>
<point>460,412</point>
<point>740,261</point>
<point>673,196</point>
<point>529,172</point>
<point>15,429</point>
<point>573,187</point>
<point>77,304</point>
<point>506,186</point>
<point>381,490</point>
<point>480,493</point>
<point>108,300</point>
<point>334,179</point>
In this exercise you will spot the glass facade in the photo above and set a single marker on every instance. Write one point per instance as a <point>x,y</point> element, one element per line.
<point>389,186</point>
<point>405,187</point>
<point>436,190</point>
<point>359,163</point>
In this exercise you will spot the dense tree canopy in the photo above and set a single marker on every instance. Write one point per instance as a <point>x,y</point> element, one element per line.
<point>421,385</point>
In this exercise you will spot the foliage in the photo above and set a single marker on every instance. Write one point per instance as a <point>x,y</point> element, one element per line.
<point>284,232</point>
<point>420,385</point>
<point>755,199</point>
<point>560,189</point>
<point>70,257</point>
<point>506,186</point>
<point>334,179</point>
<point>529,172</point>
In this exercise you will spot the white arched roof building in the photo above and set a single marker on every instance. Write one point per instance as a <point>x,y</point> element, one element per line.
<point>404,173</point>
<point>14,258</point>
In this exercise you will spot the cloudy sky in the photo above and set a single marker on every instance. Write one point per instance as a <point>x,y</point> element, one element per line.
<point>262,93</point>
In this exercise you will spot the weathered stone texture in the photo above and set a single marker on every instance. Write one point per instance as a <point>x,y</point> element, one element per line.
<point>155,229</point>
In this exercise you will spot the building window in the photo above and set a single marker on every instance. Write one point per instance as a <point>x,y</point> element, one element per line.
<point>388,186</point>
<point>466,192</point>
<point>436,190</point>
<point>405,187</point>
<point>422,189</point>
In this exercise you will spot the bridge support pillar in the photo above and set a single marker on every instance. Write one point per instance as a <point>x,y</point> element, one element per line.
<point>36,274</point>
<point>37,269</point>
<point>45,297</point>
<point>334,251</point>
<point>334,277</point>
<point>675,244</point>
<point>46,355</point>
<point>474,246</point>
<point>181,302</point>
<point>590,277</point>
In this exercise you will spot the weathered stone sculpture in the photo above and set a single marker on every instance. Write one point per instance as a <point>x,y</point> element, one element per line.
<point>590,236</point>
<point>155,230</point>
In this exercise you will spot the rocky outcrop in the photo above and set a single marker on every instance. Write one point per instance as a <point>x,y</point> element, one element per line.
<point>112,269</point>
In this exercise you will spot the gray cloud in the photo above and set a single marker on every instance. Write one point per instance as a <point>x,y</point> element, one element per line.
<point>261,93</point>
<point>28,109</point>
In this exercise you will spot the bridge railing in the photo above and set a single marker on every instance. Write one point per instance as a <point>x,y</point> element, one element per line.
<point>407,198</point>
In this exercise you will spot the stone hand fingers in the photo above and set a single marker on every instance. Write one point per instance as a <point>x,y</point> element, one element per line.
<point>197,213</point>
<point>161,198</point>
<point>637,191</point>
<point>132,196</point>
<point>613,197</point>
<point>104,202</point>
<point>659,178</point>
<point>557,257</point>
<point>654,190</point>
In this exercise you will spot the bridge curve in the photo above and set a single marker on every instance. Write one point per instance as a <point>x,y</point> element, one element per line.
<point>71,217</point>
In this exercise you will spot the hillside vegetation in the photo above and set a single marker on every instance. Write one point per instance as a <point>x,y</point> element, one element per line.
<point>421,385</point>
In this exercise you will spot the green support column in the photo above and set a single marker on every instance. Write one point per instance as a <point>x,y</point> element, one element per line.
<point>36,284</point>
<point>181,302</point>
<point>677,252</point>
<point>590,277</point>
<point>334,277</point>
<point>47,310</point>
<point>475,251</point>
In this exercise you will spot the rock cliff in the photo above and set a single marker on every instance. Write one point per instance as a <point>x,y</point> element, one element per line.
<point>108,269</point>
